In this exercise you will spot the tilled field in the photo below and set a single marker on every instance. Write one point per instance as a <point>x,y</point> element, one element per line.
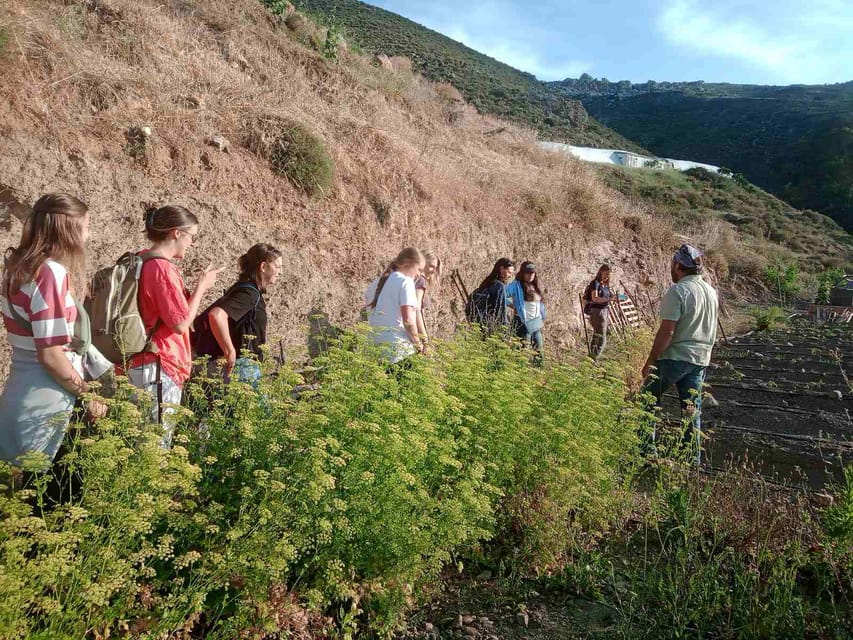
<point>784,403</point>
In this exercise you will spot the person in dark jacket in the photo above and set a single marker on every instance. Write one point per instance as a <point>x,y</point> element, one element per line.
<point>493,290</point>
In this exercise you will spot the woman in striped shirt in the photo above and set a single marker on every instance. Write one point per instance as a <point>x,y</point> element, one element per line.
<point>40,279</point>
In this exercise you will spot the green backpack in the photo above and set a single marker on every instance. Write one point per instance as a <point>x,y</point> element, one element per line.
<point>113,307</point>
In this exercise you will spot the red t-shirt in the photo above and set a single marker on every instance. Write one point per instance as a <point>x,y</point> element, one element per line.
<point>162,297</point>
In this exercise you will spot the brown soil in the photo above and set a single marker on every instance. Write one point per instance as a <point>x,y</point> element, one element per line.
<point>76,77</point>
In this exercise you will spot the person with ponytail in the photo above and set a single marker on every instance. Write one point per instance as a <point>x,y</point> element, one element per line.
<point>428,280</point>
<point>393,306</point>
<point>237,322</point>
<point>42,280</point>
<point>167,310</point>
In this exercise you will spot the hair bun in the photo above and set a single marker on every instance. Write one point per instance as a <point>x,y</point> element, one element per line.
<point>150,212</point>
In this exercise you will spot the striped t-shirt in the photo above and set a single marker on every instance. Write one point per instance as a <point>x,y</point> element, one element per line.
<point>47,303</point>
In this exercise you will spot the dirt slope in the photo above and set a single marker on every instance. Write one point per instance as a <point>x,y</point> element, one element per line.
<point>76,77</point>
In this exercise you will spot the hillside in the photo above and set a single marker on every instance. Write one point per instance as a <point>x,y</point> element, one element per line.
<point>79,81</point>
<point>487,84</point>
<point>739,225</point>
<point>796,142</point>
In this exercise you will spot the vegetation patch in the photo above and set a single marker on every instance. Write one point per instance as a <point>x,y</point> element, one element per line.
<point>301,157</point>
<point>763,229</point>
<point>269,513</point>
<point>768,319</point>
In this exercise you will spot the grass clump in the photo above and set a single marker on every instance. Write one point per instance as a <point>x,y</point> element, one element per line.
<point>302,158</point>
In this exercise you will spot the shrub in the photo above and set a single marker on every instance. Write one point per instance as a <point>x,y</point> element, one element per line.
<point>783,279</point>
<point>768,319</point>
<point>301,157</point>
<point>382,208</point>
<point>4,39</point>
<point>448,92</point>
<point>826,280</point>
<point>270,512</point>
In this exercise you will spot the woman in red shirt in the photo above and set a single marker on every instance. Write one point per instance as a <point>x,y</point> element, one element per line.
<point>168,311</point>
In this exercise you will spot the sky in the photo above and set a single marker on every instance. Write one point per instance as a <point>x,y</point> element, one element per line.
<point>739,41</point>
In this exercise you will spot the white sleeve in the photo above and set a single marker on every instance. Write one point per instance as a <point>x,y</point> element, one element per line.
<point>408,295</point>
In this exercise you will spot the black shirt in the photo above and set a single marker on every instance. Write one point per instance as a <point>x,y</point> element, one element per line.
<point>247,321</point>
<point>601,291</point>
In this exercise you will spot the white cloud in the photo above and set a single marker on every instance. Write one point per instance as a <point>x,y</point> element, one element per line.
<point>519,54</point>
<point>797,45</point>
<point>502,29</point>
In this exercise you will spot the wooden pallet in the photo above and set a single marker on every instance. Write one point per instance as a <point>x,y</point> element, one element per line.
<point>629,312</point>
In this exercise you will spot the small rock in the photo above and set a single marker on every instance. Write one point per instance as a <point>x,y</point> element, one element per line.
<point>522,618</point>
<point>428,627</point>
<point>458,624</point>
<point>824,499</point>
<point>467,619</point>
<point>470,632</point>
<point>220,142</point>
<point>145,131</point>
<point>838,395</point>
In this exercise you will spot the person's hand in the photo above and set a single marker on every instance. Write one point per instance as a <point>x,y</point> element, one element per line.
<point>208,278</point>
<point>96,410</point>
<point>230,359</point>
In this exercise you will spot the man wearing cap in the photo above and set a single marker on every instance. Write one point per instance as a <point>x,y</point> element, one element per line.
<point>683,344</point>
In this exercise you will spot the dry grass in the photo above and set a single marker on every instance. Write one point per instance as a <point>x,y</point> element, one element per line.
<point>78,75</point>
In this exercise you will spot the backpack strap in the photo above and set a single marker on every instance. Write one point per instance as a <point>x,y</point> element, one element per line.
<point>249,285</point>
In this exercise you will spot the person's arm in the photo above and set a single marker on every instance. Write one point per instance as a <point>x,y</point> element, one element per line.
<point>207,280</point>
<point>219,327</point>
<point>55,362</point>
<point>663,338</point>
<point>421,323</point>
<point>410,324</point>
<point>598,299</point>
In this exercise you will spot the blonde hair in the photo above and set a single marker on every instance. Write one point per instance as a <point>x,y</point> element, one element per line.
<point>434,279</point>
<point>53,230</point>
<point>406,258</point>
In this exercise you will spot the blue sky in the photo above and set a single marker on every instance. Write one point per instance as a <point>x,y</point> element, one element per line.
<point>742,41</point>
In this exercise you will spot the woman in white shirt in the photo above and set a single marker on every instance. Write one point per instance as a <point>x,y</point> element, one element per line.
<point>393,306</point>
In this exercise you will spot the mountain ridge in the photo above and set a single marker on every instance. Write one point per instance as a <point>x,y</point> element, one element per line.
<point>795,141</point>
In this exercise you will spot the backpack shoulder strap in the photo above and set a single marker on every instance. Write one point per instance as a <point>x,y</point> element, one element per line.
<point>250,285</point>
